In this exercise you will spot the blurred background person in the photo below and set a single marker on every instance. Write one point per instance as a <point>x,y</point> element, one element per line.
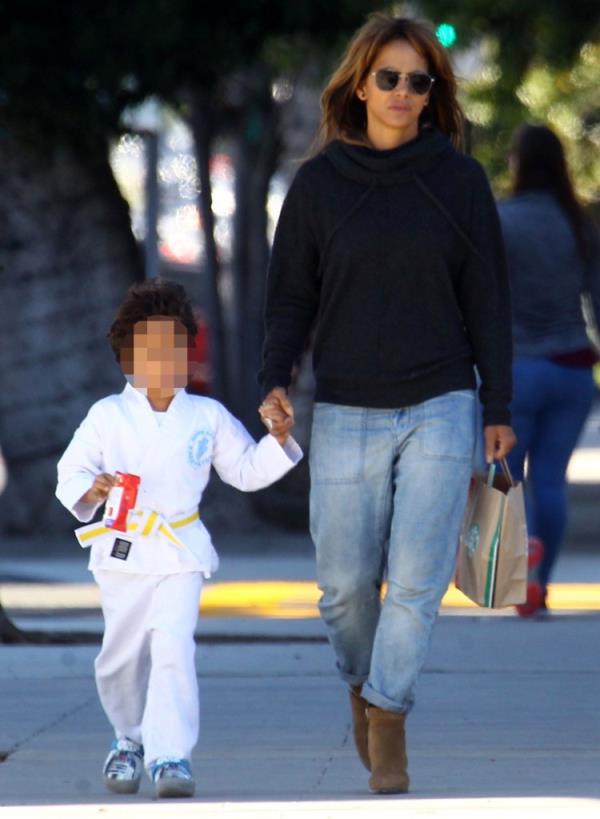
<point>553,253</point>
<point>3,473</point>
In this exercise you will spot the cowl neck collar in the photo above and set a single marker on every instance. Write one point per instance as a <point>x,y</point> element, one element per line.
<point>370,166</point>
<point>134,395</point>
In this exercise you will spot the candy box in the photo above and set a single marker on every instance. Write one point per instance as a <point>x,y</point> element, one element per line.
<point>121,500</point>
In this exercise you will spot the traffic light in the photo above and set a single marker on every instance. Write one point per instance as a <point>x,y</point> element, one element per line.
<point>446,34</point>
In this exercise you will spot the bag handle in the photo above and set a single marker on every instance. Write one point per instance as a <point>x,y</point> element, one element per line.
<point>505,469</point>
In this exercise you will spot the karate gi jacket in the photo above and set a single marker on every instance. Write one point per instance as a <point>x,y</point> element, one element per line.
<point>173,459</point>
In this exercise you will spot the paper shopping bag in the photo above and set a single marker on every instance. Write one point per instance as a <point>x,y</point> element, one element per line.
<point>492,554</point>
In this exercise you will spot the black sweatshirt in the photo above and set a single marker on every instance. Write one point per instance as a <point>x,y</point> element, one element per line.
<point>396,258</point>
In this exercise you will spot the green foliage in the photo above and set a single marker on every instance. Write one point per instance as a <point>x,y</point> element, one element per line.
<point>549,29</point>
<point>538,61</point>
<point>68,70</point>
<point>568,100</point>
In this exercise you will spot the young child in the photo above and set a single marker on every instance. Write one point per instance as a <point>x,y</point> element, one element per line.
<point>151,575</point>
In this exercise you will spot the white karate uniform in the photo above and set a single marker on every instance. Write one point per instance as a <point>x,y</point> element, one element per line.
<point>145,671</point>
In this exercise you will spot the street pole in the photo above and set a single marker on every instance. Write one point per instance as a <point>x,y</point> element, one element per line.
<point>151,139</point>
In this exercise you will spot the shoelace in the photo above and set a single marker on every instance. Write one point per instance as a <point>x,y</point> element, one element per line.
<point>121,764</point>
<point>118,768</point>
<point>170,768</point>
<point>127,746</point>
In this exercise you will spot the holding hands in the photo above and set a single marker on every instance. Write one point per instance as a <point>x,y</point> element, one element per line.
<point>277,414</point>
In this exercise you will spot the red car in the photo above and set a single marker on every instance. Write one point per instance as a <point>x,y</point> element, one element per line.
<point>199,383</point>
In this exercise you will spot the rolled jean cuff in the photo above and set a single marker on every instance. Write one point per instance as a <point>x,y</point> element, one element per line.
<point>353,679</point>
<point>377,699</point>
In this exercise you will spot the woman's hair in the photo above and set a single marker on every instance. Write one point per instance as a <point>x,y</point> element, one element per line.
<point>155,297</point>
<point>343,114</point>
<point>541,165</point>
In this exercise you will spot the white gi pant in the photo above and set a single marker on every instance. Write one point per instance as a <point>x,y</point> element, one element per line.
<point>145,672</point>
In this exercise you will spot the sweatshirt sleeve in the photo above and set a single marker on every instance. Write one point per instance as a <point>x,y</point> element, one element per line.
<point>248,465</point>
<point>78,467</point>
<point>292,296</point>
<point>483,293</point>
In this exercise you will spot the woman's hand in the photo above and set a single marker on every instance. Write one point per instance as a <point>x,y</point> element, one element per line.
<point>278,423</point>
<point>99,489</point>
<point>499,440</point>
<point>277,414</point>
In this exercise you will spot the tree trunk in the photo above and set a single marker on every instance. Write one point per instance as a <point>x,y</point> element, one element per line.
<point>68,256</point>
<point>258,148</point>
<point>202,122</point>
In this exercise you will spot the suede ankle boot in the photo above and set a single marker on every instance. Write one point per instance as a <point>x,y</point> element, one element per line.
<point>360,725</point>
<point>387,751</point>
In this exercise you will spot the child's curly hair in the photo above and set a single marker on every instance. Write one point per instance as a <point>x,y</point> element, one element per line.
<point>154,297</point>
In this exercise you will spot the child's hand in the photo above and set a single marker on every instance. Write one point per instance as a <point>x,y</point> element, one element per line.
<point>276,421</point>
<point>99,489</point>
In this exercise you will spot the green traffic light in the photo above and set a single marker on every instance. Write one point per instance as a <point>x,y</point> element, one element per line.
<point>446,34</point>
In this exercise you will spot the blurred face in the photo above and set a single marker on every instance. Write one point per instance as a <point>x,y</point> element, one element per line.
<point>393,116</point>
<point>158,362</point>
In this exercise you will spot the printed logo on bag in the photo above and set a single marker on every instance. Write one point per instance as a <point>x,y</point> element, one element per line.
<point>200,448</point>
<point>472,539</point>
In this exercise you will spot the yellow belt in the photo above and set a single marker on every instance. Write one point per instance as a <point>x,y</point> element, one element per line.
<point>144,522</point>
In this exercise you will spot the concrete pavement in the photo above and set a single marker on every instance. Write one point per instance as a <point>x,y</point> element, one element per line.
<point>506,724</point>
<point>266,594</point>
<point>507,720</point>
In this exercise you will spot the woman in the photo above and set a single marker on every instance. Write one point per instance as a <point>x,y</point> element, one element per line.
<point>553,253</point>
<point>389,244</point>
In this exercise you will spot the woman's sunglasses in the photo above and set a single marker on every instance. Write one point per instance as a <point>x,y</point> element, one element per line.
<point>417,82</point>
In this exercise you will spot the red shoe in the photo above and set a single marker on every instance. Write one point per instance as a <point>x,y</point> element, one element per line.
<point>535,552</point>
<point>536,596</point>
<point>534,602</point>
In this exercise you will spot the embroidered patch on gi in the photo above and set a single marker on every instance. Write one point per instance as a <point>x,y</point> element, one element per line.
<point>121,548</point>
<point>200,448</point>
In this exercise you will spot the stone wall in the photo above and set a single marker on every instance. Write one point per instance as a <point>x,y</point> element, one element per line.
<point>67,256</point>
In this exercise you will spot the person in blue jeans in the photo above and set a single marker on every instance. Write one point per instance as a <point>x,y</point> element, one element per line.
<point>553,253</point>
<point>389,248</point>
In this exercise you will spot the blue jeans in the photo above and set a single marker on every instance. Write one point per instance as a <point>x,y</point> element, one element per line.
<point>550,405</point>
<point>388,493</point>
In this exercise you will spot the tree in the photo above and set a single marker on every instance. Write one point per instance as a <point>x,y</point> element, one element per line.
<point>66,79</point>
<point>66,244</point>
<point>535,58</point>
<point>251,50</point>
<point>67,76</point>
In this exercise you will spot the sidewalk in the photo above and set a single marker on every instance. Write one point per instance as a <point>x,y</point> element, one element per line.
<point>271,595</point>
<point>506,724</point>
<point>266,582</point>
<point>507,721</point>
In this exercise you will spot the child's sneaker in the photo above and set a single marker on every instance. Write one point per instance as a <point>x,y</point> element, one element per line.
<point>171,777</point>
<point>123,767</point>
<point>535,592</point>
